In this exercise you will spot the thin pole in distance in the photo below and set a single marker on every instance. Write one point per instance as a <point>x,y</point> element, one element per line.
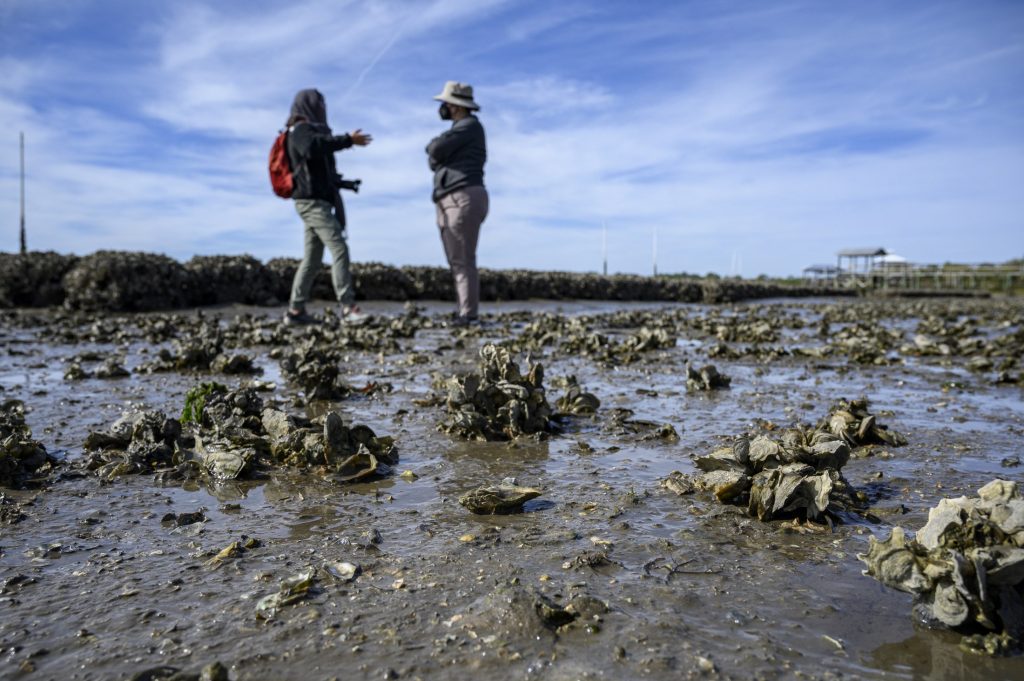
<point>24,245</point>
<point>604,247</point>
<point>654,250</point>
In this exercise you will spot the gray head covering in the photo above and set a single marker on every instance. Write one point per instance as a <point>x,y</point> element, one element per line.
<point>309,105</point>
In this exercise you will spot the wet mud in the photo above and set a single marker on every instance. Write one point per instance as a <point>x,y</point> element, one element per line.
<point>608,567</point>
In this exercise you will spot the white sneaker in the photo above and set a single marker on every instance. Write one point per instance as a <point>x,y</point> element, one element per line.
<point>351,314</point>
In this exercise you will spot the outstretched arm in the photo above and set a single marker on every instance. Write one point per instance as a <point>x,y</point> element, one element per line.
<point>360,138</point>
<point>312,143</point>
<point>320,144</point>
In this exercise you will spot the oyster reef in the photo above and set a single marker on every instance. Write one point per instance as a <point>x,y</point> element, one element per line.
<point>800,488</point>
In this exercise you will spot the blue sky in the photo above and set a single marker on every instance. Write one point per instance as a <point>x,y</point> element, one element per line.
<point>751,137</point>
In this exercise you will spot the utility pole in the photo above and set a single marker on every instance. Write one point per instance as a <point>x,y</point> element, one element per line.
<point>604,246</point>
<point>24,247</point>
<point>654,250</point>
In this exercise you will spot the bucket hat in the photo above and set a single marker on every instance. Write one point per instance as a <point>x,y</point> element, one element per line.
<point>459,94</point>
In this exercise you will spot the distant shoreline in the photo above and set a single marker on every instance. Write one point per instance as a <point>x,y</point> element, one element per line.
<point>124,281</point>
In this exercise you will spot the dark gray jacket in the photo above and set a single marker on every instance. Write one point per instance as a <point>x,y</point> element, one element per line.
<point>457,157</point>
<point>311,153</point>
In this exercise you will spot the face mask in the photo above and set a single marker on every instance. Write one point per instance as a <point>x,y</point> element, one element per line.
<point>444,112</point>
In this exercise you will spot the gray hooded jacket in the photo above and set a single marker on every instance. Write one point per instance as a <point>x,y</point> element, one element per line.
<point>311,147</point>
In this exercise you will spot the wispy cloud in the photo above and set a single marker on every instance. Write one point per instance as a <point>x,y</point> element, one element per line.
<point>546,19</point>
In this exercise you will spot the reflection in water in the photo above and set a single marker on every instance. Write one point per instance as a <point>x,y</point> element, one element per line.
<point>483,463</point>
<point>934,655</point>
<point>285,489</point>
<point>221,490</point>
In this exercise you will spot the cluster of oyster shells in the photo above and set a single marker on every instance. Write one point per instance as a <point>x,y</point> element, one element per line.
<point>574,336</point>
<point>965,567</point>
<point>852,421</point>
<point>497,402</point>
<point>337,451</point>
<point>192,352</point>
<point>136,443</point>
<point>797,475</point>
<point>705,378</point>
<point>21,456</point>
<point>232,437</point>
<point>315,367</point>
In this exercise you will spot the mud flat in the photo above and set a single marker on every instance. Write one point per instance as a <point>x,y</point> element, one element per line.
<point>253,530</point>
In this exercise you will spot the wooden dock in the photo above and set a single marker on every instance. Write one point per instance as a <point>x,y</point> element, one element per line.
<point>874,270</point>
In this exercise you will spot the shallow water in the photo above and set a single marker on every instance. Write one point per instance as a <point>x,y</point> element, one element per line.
<point>694,588</point>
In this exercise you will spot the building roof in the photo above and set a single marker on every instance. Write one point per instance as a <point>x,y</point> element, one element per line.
<point>861,252</point>
<point>821,269</point>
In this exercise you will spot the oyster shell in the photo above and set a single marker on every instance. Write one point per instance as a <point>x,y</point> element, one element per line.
<point>678,482</point>
<point>851,421</point>
<point>342,571</point>
<point>705,378</point>
<point>725,484</point>
<point>578,402</point>
<point>498,499</point>
<point>359,466</point>
<point>293,589</point>
<point>222,459</point>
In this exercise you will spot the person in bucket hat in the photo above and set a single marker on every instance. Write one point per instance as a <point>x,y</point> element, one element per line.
<point>457,157</point>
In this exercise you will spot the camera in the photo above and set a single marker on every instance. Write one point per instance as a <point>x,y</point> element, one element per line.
<point>351,185</point>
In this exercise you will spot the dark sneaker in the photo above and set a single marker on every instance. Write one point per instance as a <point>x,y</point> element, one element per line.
<point>300,318</point>
<point>461,322</point>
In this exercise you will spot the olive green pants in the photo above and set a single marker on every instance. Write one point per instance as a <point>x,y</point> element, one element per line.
<point>322,228</point>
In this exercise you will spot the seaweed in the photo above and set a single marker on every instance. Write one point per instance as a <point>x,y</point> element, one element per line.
<point>195,400</point>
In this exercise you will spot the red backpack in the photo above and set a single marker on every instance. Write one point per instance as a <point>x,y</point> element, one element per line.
<point>280,168</point>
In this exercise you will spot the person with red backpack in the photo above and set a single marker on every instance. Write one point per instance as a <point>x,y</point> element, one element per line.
<point>315,183</point>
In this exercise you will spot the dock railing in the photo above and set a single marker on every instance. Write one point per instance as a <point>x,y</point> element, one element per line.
<point>929,277</point>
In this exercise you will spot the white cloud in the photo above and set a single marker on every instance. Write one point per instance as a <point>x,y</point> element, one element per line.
<point>548,95</point>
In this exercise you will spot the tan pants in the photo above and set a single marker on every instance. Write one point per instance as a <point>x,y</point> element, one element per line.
<point>459,216</point>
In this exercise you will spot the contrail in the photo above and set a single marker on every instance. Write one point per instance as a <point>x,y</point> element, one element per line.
<point>373,62</point>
